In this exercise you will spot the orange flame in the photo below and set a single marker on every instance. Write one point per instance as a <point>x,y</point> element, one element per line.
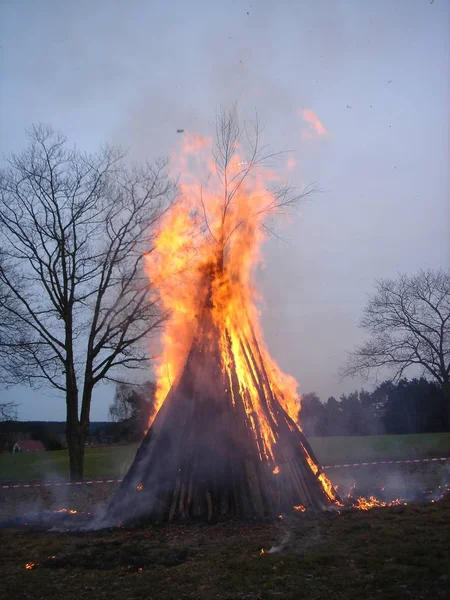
<point>316,128</point>
<point>187,244</point>
<point>372,502</point>
<point>69,511</point>
<point>207,247</point>
<point>326,483</point>
<point>300,508</point>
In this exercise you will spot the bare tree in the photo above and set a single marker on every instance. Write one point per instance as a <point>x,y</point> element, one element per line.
<point>8,411</point>
<point>231,140</point>
<point>132,407</point>
<point>74,229</point>
<point>14,337</point>
<point>408,320</point>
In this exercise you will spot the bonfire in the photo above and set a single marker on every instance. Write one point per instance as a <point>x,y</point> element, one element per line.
<point>224,439</point>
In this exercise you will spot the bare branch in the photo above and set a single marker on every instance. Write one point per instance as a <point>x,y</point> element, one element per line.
<point>408,321</point>
<point>74,229</point>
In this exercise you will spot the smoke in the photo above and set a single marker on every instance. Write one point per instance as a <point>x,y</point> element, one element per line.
<point>282,545</point>
<point>409,483</point>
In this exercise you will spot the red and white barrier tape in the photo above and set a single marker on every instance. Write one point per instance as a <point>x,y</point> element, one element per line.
<point>343,466</point>
<point>56,483</point>
<point>387,462</point>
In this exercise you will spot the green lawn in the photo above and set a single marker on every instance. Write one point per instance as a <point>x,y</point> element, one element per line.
<point>335,450</point>
<point>393,553</point>
<point>113,461</point>
<point>103,461</point>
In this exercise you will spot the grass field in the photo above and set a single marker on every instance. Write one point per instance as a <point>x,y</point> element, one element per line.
<point>103,461</point>
<point>389,553</point>
<point>113,461</point>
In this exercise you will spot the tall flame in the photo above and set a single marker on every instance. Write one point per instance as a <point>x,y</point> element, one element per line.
<point>206,251</point>
<point>215,228</point>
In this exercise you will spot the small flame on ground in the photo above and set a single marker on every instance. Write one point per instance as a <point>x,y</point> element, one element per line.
<point>300,508</point>
<point>350,493</point>
<point>261,552</point>
<point>276,470</point>
<point>29,566</point>
<point>140,487</point>
<point>373,502</point>
<point>69,511</point>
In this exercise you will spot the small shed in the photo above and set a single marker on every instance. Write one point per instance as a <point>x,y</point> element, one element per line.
<point>28,446</point>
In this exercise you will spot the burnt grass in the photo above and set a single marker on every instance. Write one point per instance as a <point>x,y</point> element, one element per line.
<point>396,552</point>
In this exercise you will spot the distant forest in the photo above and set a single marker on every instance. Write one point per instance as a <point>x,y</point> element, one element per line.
<point>53,433</point>
<point>49,427</point>
<point>409,406</point>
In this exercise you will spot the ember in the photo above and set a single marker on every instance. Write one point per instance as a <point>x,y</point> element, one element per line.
<point>29,566</point>
<point>69,511</point>
<point>226,415</point>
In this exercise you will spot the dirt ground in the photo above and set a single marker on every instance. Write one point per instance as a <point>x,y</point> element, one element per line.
<point>394,553</point>
<point>16,502</point>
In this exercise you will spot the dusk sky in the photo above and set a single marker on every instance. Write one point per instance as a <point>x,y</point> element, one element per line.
<point>374,74</point>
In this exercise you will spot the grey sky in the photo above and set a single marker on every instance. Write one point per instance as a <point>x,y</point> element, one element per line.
<point>132,72</point>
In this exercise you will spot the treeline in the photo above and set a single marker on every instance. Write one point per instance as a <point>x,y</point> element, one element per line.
<point>410,406</point>
<point>53,433</point>
<point>38,428</point>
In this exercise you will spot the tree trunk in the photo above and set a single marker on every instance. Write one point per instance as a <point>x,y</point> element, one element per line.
<point>76,455</point>
<point>77,432</point>
<point>74,432</point>
<point>84,418</point>
<point>446,389</point>
<point>75,441</point>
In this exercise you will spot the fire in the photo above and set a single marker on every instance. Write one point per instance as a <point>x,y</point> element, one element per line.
<point>261,552</point>
<point>300,508</point>
<point>69,511</point>
<point>206,251</point>
<point>372,502</point>
<point>140,487</point>
<point>326,483</point>
<point>29,566</point>
<point>316,127</point>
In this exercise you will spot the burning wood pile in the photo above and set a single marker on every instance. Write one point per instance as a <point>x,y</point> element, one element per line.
<point>224,440</point>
